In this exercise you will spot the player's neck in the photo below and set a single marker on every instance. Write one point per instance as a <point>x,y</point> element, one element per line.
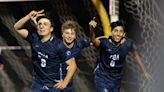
<point>114,42</point>
<point>46,38</point>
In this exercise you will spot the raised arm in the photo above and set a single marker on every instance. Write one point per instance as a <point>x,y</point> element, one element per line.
<point>92,26</point>
<point>139,61</point>
<point>61,84</point>
<point>19,24</point>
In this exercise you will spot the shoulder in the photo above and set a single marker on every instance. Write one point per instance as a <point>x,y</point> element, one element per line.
<point>77,43</point>
<point>56,40</point>
<point>83,42</point>
<point>129,42</point>
<point>32,37</point>
<point>104,42</point>
<point>57,43</point>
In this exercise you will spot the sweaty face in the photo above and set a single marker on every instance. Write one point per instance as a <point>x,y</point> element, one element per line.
<point>69,35</point>
<point>118,33</point>
<point>44,27</point>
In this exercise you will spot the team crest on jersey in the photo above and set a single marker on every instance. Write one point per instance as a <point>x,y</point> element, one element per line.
<point>109,50</point>
<point>68,53</point>
<point>85,40</point>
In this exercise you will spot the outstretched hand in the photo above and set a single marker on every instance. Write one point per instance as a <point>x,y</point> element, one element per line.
<point>35,14</point>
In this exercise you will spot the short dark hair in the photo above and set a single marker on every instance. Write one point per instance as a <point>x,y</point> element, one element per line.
<point>47,17</point>
<point>118,23</point>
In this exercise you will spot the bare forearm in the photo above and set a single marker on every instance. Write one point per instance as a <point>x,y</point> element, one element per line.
<point>139,61</point>
<point>92,27</point>
<point>21,22</point>
<point>93,37</point>
<point>71,70</point>
<point>141,65</point>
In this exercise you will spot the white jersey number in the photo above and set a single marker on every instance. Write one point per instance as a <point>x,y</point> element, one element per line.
<point>113,58</point>
<point>112,63</point>
<point>43,63</point>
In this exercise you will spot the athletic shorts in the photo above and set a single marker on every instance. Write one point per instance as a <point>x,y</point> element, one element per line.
<point>106,84</point>
<point>38,86</point>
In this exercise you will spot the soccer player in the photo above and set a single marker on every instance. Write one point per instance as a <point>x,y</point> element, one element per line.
<point>69,33</point>
<point>46,55</point>
<point>70,43</point>
<point>112,54</point>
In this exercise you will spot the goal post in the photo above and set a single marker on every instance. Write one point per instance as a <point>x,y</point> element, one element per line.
<point>114,10</point>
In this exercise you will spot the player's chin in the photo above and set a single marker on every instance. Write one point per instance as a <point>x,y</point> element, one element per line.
<point>117,40</point>
<point>42,33</point>
<point>69,42</point>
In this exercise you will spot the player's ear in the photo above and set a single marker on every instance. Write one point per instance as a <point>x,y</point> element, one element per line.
<point>62,34</point>
<point>52,29</point>
<point>124,34</point>
<point>75,35</point>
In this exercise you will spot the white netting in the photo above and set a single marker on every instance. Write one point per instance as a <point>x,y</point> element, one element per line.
<point>145,12</point>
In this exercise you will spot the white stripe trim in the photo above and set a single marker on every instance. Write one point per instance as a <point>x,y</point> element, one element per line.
<point>14,47</point>
<point>18,0</point>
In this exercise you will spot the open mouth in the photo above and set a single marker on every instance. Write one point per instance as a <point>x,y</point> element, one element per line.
<point>69,39</point>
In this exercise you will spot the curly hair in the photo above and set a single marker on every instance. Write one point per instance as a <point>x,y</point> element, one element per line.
<point>70,24</point>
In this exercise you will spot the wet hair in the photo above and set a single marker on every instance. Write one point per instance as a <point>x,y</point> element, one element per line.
<point>118,23</point>
<point>70,24</point>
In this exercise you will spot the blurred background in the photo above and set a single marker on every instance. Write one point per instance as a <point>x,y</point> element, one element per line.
<point>144,25</point>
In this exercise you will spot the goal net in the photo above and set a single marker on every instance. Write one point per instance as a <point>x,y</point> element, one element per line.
<point>146,29</point>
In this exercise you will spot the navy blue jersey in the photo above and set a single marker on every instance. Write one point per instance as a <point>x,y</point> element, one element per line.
<point>47,57</point>
<point>111,57</point>
<point>78,46</point>
<point>75,50</point>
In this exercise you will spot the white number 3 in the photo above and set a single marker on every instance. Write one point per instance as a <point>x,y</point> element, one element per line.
<point>43,63</point>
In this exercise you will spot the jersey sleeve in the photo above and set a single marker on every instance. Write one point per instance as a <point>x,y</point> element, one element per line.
<point>31,37</point>
<point>103,42</point>
<point>130,45</point>
<point>84,43</point>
